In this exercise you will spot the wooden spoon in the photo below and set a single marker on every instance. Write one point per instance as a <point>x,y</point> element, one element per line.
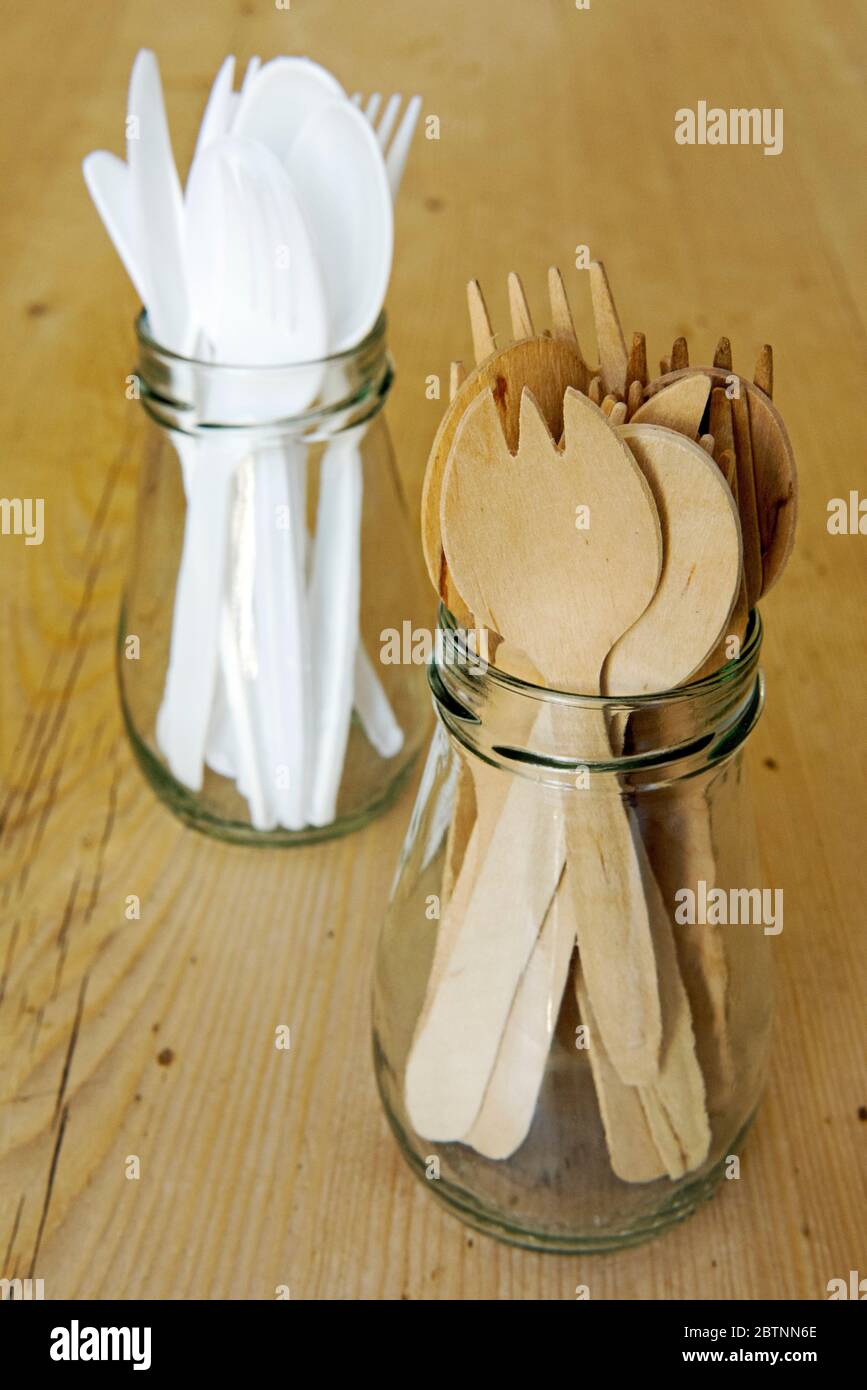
<point>679,407</point>
<point>775,472</point>
<point>689,611</point>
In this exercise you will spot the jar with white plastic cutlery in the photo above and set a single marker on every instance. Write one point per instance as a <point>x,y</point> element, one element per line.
<point>508,1055</point>
<point>264,693</point>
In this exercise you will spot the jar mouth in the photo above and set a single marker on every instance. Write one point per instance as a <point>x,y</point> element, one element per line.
<point>460,652</point>
<point>146,340</point>
<point>312,400</point>
<point>669,734</point>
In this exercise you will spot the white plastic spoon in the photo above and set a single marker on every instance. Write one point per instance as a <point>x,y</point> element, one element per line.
<point>337,166</point>
<point>278,98</point>
<point>261,301</point>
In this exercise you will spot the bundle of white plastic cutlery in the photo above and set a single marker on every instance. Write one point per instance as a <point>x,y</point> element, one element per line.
<point>278,252</point>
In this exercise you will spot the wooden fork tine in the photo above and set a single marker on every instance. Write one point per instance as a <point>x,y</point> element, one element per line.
<point>664,366</point>
<point>609,334</point>
<point>634,397</point>
<point>457,376</point>
<point>522,323</point>
<point>636,367</point>
<point>721,423</point>
<point>480,324</point>
<point>764,373</point>
<point>617,414</point>
<point>723,355</point>
<point>561,313</point>
<point>679,355</point>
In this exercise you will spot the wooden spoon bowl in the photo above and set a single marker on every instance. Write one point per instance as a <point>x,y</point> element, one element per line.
<point>776,477</point>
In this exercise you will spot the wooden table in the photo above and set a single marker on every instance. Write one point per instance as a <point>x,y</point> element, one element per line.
<point>155,1037</point>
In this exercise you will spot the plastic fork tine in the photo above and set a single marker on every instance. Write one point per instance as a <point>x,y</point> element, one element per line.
<point>249,76</point>
<point>522,323</point>
<point>398,147</point>
<point>389,116</point>
<point>395,160</point>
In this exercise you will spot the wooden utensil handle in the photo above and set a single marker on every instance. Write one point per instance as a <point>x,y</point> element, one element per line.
<point>490,925</point>
<point>607,878</point>
<point>510,1099</point>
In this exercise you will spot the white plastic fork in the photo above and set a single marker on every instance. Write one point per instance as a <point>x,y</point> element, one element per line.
<point>396,150</point>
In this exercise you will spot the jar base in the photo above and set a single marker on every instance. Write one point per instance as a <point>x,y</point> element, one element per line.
<point>462,1205</point>
<point>185,805</point>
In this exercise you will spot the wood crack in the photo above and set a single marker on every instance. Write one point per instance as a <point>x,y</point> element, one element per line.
<point>73,1039</point>
<point>49,1187</point>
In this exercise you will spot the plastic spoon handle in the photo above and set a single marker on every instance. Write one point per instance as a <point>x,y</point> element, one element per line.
<point>248,775</point>
<point>374,711</point>
<point>281,614</point>
<point>335,603</point>
<point>184,715</point>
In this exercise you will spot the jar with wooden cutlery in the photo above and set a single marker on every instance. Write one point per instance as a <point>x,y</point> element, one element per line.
<point>272,553</point>
<point>572,998</point>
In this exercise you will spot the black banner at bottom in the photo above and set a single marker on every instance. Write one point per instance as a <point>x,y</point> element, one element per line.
<point>73,1338</point>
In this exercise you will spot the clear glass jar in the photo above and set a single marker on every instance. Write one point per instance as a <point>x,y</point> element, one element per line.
<point>273,552</point>
<point>461,1036</point>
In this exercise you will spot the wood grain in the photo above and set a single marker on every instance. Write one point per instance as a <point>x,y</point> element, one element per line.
<point>262,1167</point>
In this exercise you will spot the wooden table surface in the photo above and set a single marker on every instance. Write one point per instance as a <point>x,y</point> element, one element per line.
<point>156,1037</point>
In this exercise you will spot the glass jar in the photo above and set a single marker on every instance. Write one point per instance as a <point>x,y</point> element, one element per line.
<point>495,1077</point>
<point>273,554</point>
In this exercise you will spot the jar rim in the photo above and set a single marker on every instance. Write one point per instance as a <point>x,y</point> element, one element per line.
<point>476,668</point>
<point>147,341</point>
<point>671,734</point>
<point>313,400</point>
